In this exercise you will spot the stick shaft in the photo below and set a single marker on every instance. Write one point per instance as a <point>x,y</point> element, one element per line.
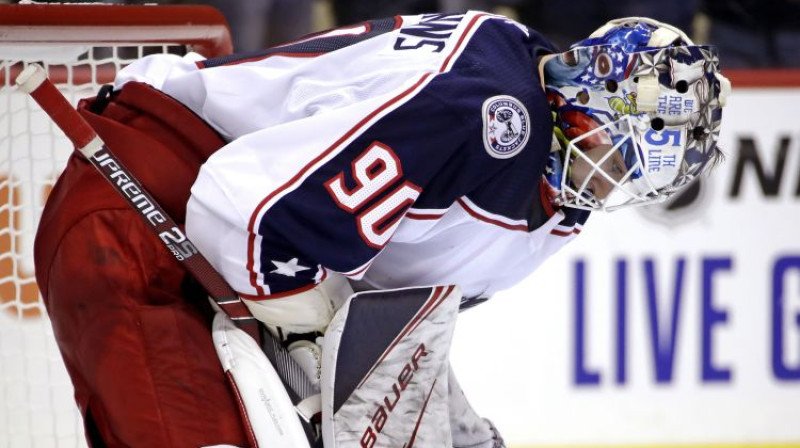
<point>34,81</point>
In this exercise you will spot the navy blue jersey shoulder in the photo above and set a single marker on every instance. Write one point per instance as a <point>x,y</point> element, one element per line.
<point>512,55</point>
<point>501,60</point>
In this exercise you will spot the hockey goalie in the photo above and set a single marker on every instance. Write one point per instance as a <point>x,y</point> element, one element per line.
<point>356,188</point>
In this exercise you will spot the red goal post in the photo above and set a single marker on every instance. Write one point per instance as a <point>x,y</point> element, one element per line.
<point>81,46</point>
<point>199,28</point>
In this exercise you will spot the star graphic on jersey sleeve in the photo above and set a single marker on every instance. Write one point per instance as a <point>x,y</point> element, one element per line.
<point>289,269</point>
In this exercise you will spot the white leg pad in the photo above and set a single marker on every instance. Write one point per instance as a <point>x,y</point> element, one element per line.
<point>385,369</point>
<point>272,417</point>
<point>468,428</point>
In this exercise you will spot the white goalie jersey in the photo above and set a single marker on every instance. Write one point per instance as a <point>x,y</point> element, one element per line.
<point>403,151</point>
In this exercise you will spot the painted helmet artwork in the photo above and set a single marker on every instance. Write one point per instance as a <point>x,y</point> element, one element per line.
<point>637,110</point>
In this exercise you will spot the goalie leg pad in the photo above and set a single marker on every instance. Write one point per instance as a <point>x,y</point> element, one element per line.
<point>385,369</point>
<point>266,406</point>
<point>468,428</point>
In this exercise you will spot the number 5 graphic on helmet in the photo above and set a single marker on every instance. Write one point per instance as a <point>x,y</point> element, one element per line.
<point>671,137</point>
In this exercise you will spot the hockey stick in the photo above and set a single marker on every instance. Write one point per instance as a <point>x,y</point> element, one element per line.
<point>33,81</point>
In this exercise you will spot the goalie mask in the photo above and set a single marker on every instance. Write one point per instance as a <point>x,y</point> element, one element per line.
<point>637,110</point>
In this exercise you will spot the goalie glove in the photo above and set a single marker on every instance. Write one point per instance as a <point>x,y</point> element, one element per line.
<point>297,320</point>
<point>302,313</point>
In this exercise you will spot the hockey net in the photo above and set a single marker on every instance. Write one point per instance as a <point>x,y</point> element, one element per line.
<point>81,46</point>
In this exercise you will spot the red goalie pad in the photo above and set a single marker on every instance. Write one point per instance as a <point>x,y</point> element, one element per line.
<point>133,332</point>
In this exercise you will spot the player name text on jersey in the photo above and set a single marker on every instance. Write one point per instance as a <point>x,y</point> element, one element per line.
<point>432,31</point>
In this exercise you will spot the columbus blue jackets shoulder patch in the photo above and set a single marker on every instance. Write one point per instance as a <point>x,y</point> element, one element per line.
<point>506,126</point>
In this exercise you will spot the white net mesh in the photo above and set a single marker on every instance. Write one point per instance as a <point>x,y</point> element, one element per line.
<point>36,404</point>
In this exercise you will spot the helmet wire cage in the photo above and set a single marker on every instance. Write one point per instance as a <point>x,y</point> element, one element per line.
<point>626,190</point>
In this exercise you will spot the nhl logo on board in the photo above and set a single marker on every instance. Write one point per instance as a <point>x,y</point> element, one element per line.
<point>505,126</point>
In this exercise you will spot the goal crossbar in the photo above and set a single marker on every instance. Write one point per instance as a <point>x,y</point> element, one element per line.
<point>200,27</point>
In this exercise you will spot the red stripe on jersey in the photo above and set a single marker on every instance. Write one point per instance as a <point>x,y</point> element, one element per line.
<point>361,28</point>
<point>358,271</point>
<point>424,216</point>
<point>330,33</point>
<point>251,225</point>
<point>565,232</point>
<point>460,41</point>
<point>477,215</point>
<point>281,295</point>
<point>201,64</point>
